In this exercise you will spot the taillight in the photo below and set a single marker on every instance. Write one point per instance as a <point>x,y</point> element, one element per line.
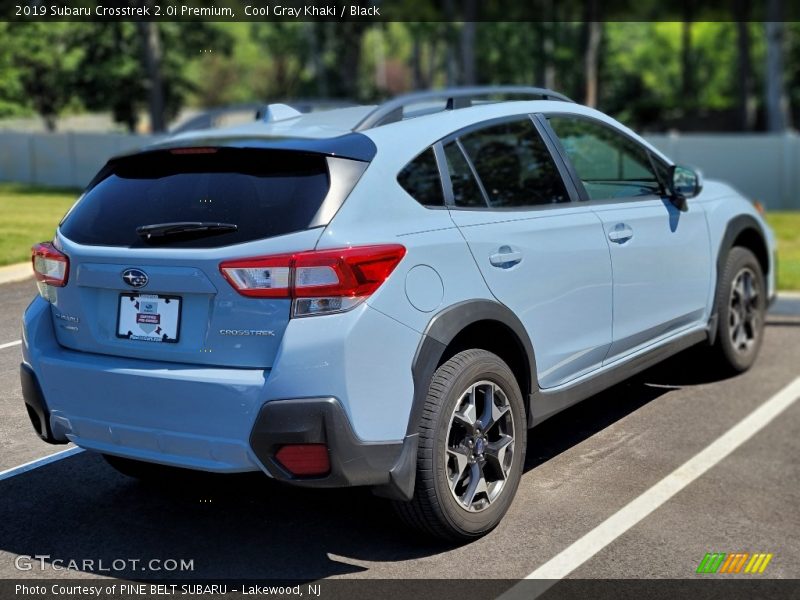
<point>319,282</point>
<point>50,266</point>
<point>266,277</point>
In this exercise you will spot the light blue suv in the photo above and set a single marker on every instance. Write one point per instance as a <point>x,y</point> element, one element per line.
<point>382,296</point>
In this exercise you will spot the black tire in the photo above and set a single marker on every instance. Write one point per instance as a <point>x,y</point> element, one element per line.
<point>740,326</point>
<point>437,510</point>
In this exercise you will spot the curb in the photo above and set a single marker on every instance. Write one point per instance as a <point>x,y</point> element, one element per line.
<point>18,272</point>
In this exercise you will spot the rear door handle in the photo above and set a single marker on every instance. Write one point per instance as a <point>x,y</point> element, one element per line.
<point>620,234</point>
<point>505,258</point>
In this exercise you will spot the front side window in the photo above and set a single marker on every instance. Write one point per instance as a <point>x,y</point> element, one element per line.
<point>609,164</point>
<point>514,165</point>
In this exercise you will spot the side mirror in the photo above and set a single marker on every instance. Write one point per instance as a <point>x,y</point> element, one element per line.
<point>684,183</point>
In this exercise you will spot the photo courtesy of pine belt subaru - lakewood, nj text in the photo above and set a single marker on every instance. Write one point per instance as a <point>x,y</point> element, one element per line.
<point>386,296</point>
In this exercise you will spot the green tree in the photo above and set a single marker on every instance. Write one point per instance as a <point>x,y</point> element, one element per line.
<point>644,71</point>
<point>109,74</point>
<point>43,58</point>
<point>12,96</point>
<point>793,69</point>
<point>776,100</point>
<point>286,54</point>
<point>114,72</point>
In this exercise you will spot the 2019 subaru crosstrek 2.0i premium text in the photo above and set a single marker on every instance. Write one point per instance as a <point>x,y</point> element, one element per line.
<point>382,296</point>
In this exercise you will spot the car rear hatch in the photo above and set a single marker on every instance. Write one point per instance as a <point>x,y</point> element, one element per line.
<point>146,241</point>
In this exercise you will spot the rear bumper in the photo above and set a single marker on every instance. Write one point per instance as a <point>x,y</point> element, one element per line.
<point>172,414</point>
<point>221,419</point>
<point>279,422</point>
<point>182,418</point>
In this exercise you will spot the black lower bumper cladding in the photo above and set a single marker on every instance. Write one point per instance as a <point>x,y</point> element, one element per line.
<point>321,421</point>
<point>36,405</point>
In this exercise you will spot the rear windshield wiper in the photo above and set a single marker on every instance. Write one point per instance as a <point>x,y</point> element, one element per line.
<point>192,228</point>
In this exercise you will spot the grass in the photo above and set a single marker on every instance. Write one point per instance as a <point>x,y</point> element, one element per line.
<point>30,214</point>
<point>787,229</point>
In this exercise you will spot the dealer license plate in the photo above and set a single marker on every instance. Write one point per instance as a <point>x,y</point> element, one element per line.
<point>149,317</point>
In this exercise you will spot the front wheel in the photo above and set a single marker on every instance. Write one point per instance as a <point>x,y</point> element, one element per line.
<point>741,306</point>
<point>472,440</point>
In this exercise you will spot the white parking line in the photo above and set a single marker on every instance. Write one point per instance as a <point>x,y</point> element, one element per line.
<point>10,344</point>
<point>601,536</point>
<point>39,462</point>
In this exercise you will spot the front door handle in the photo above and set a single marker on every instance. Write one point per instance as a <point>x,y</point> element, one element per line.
<point>505,258</point>
<point>620,234</point>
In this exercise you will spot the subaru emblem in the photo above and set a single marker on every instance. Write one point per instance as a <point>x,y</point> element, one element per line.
<point>135,277</point>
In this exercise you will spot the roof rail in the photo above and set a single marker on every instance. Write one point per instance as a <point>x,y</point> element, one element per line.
<point>392,110</point>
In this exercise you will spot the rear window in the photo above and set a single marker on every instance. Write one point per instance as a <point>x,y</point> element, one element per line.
<point>265,193</point>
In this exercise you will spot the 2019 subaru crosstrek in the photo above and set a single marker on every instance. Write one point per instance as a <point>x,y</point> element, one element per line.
<point>382,296</point>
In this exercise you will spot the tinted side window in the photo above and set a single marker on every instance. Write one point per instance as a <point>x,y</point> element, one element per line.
<point>514,165</point>
<point>420,178</point>
<point>466,191</point>
<point>610,164</point>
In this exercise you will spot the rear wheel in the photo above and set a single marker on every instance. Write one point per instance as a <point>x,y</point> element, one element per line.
<point>741,306</point>
<point>472,441</point>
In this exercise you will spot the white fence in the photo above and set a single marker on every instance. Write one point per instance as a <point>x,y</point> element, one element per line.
<point>60,159</point>
<point>764,167</point>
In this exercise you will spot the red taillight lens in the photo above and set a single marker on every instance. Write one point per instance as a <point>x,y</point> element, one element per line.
<point>346,272</point>
<point>304,460</point>
<point>50,265</point>
<point>321,282</point>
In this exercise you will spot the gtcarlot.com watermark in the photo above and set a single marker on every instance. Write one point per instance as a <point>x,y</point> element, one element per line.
<point>45,562</point>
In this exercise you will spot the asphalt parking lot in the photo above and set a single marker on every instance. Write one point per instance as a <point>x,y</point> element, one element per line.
<point>583,467</point>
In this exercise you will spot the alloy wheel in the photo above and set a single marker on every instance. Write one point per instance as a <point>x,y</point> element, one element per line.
<point>480,446</point>
<point>744,319</point>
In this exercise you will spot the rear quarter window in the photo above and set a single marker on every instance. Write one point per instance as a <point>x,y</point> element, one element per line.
<point>420,178</point>
<point>265,193</point>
